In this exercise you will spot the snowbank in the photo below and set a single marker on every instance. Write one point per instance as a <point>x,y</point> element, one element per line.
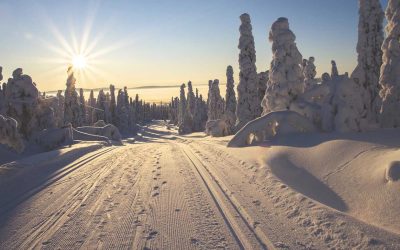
<point>270,125</point>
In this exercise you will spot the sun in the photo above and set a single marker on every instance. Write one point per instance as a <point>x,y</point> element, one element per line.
<point>79,61</point>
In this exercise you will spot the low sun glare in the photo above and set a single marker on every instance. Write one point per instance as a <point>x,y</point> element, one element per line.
<point>79,61</point>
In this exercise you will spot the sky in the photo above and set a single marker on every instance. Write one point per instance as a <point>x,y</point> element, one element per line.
<point>164,42</point>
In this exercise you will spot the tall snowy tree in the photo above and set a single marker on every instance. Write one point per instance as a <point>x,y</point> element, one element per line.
<point>390,76</point>
<point>113,104</point>
<point>262,79</point>
<point>92,106</point>
<point>82,104</point>
<point>191,100</point>
<point>285,77</point>
<point>309,73</point>
<point>71,106</point>
<point>230,99</point>
<point>370,39</point>
<point>248,106</point>
<point>215,104</point>
<point>184,118</point>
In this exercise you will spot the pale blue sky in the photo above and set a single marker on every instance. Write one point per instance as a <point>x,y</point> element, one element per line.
<point>165,42</point>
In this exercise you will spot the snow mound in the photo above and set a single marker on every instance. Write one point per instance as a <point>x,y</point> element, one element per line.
<point>355,173</point>
<point>109,131</point>
<point>270,125</point>
<point>217,128</point>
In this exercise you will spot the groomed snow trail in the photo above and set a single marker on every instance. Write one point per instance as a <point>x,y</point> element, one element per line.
<point>166,192</point>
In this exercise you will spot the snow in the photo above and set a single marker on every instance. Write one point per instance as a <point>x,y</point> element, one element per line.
<point>169,191</point>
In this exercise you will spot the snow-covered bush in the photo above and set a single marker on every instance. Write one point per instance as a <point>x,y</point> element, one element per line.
<point>217,128</point>
<point>110,131</point>
<point>390,70</point>
<point>285,77</point>
<point>370,39</point>
<point>53,138</point>
<point>248,105</point>
<point>270,125</point>
<point>9,134</point>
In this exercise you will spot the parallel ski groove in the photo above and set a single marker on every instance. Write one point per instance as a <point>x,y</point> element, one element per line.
<point>244,215</point>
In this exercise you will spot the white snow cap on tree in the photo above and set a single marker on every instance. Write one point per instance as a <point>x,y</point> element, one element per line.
<point>285,76</point>
<point>390,70</point>
<point>370,39</point>
<point>248,106</point>
<point>230,99</point>
<point>215,104</point>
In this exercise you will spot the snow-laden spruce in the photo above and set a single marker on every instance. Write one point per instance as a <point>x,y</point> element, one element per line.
<point>370,39</point>
<point>390,70</point>
<point>113,105</point>
<point>215,104</point>
<point>309,73</point>
<point>285,77</point>
<point>191,100</point>
<point>82,103</point>
<point>248,106</point>
<point>184,118</point>
<point>71,106</point>
<point>230,100</point>
<point>262,79</point>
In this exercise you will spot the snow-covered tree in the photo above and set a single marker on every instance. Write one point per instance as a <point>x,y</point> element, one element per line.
<point>83,107</point>
<point>215,104</point>
<point>370,39</point>
<point>22,98</point>
<point>285,82</point>
<point>230,99</point>
<point>113,104</point>
<point>390,70</point>
<point>334,70</point>
<point>198,124</point>
<point>122,112</point>
<point>262,78</point>
<point>248,106</point>
<point>184,118</point>
<point>191,100</point>
<point>59,111</point>
<point>309,73</point>
<point>92,106</point>
<point>100,112</point>
<point>71,106</point>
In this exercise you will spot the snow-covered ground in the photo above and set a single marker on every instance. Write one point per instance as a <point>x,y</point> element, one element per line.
<point>165,191</point>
